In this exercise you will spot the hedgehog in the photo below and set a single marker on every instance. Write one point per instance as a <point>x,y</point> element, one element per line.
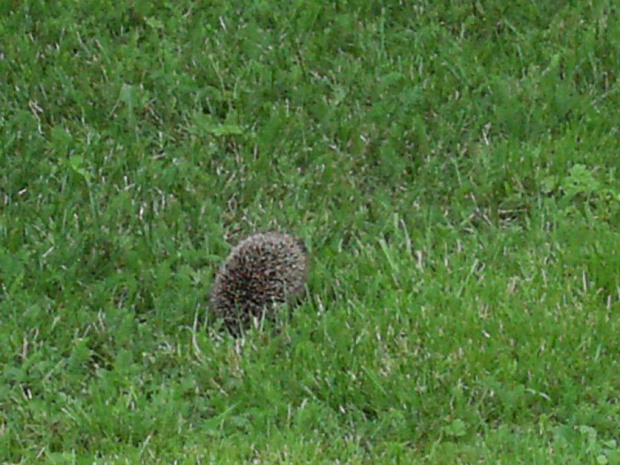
<point>262,271</point>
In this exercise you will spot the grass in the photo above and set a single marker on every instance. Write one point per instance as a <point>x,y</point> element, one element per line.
<point>453,168</point>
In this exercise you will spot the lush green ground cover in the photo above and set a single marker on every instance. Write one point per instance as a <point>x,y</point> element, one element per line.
<point>453,167</point>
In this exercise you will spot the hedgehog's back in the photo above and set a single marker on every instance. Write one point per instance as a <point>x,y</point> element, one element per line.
<point>263,270</point>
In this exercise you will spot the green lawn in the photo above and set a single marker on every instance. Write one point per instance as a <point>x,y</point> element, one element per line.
<point>453,167</point>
